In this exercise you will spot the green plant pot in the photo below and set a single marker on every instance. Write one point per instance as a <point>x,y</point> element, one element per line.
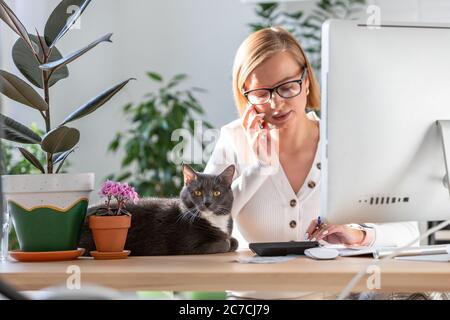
<point>48,229</point>
<point>48,211</point>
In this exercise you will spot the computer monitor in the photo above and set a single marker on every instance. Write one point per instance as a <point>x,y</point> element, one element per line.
<point>383,89</point>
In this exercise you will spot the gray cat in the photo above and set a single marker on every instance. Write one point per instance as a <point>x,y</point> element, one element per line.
<point>198,222</point>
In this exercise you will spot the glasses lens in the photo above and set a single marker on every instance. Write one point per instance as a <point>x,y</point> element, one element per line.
<point>289,90</point>
<point>258,96</point>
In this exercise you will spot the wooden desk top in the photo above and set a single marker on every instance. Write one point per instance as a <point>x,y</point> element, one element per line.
<point>221,272</point>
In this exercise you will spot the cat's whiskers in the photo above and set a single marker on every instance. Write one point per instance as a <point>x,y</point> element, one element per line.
<point>194,216</point>
<point>223,209</point>
<point>189,215</point>
<point>186,215</point>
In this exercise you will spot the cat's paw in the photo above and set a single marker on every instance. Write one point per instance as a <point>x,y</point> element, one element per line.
<point>222,246</point>
<point>234,244</point>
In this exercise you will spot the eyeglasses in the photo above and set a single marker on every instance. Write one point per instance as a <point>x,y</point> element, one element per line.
<point>289,89</point>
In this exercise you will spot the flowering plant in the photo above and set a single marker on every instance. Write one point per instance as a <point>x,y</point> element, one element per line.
<point>121,192</point>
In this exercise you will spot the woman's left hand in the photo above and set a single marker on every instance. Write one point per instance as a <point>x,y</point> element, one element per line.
<point>336,233</point>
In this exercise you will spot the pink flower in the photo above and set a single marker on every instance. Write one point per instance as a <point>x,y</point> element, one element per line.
<point>122,192</point>
<point>106,188</point>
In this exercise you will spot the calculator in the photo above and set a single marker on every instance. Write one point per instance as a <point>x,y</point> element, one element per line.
<point>282,248</point>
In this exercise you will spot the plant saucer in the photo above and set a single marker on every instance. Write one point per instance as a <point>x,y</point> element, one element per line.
<point>110,255</point>
<point>23,256</point>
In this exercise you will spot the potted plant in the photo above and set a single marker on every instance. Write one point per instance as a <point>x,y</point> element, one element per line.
<point>110,223</point>
<point>149,142</point>
<point>48,209</point>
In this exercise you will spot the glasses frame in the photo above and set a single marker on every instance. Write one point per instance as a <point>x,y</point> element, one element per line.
<point>271,90</point>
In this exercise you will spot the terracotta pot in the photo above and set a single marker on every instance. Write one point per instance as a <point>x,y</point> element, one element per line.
<point>110,232</point>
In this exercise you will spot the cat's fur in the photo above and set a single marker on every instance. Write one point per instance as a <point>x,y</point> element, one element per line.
<point>185,225</point>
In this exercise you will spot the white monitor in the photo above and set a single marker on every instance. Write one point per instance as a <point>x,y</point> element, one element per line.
<point>383,90</point>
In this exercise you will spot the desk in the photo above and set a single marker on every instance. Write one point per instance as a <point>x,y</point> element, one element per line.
<point>219,272</point>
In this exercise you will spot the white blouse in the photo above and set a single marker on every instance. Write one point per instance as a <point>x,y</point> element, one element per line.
<point>265,207</point>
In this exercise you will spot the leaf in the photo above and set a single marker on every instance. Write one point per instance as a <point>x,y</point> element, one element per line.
<point>310,36</point>
<point>257,26</point>
<point>55,65</point>
<point>32,159</point>
<point>115,143</point>
<point>295,15</point>
<point>29,66</point>
<point>62,19</point>
<point>60,156</point>
<point>124,176</point>
<point>17,132</point>
<point>127,107</point>
<point>60,139</point>
<point>266,9</point>
<point>95,103</point>
<point>176,80</point>
<point>20,91</point>
<point>268,6</point>
<point>8,16</point>
<point>155,76</point>
<point>63,159</point>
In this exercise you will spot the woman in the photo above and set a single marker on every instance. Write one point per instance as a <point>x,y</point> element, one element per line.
<point>275,148</point>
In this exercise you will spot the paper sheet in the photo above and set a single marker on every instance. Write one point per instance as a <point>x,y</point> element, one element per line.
<point>258,259</point>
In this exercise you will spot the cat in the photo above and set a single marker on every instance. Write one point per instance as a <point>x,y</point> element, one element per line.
<point>198,222</point>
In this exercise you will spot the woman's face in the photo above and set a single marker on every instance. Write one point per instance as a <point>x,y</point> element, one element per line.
<point>276,70</point>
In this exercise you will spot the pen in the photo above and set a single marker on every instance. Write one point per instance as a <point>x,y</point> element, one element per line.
<point>319,223</point>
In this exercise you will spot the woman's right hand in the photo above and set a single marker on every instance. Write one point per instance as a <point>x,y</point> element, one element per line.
<point>259,134</point>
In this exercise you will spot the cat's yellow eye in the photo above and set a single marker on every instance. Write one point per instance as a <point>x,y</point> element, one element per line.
<point>216,193</point>
<point>197,193</point>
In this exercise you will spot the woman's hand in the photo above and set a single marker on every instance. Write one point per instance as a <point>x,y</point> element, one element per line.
<point>259,134</point>
<point>347,234</point>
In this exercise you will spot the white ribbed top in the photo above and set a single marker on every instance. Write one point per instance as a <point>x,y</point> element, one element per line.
<point>265,207</point>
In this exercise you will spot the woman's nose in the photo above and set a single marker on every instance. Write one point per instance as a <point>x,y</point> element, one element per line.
<point>275,101</point>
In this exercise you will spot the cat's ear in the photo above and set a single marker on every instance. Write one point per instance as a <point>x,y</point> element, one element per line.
<point>189,174</point>
<point>227,174</point>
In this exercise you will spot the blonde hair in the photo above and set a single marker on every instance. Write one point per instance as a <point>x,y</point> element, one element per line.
<point>260,46</point>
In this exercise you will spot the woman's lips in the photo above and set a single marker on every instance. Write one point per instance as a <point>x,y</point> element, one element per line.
<point>281,116</point>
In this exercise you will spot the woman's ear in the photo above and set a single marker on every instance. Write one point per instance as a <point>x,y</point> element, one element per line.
<point>307,83</point>
<point>227,174</point>
<point>189,174</point>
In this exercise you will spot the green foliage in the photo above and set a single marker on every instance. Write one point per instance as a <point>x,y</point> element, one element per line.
<point>40,62</point>
<point>148,143</point>
<point>307,28</point>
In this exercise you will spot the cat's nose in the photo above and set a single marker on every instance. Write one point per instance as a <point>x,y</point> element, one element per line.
<point>207,204</point>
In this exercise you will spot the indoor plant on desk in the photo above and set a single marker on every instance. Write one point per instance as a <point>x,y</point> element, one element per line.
<point>48,210</point>
<point>110,223</point>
